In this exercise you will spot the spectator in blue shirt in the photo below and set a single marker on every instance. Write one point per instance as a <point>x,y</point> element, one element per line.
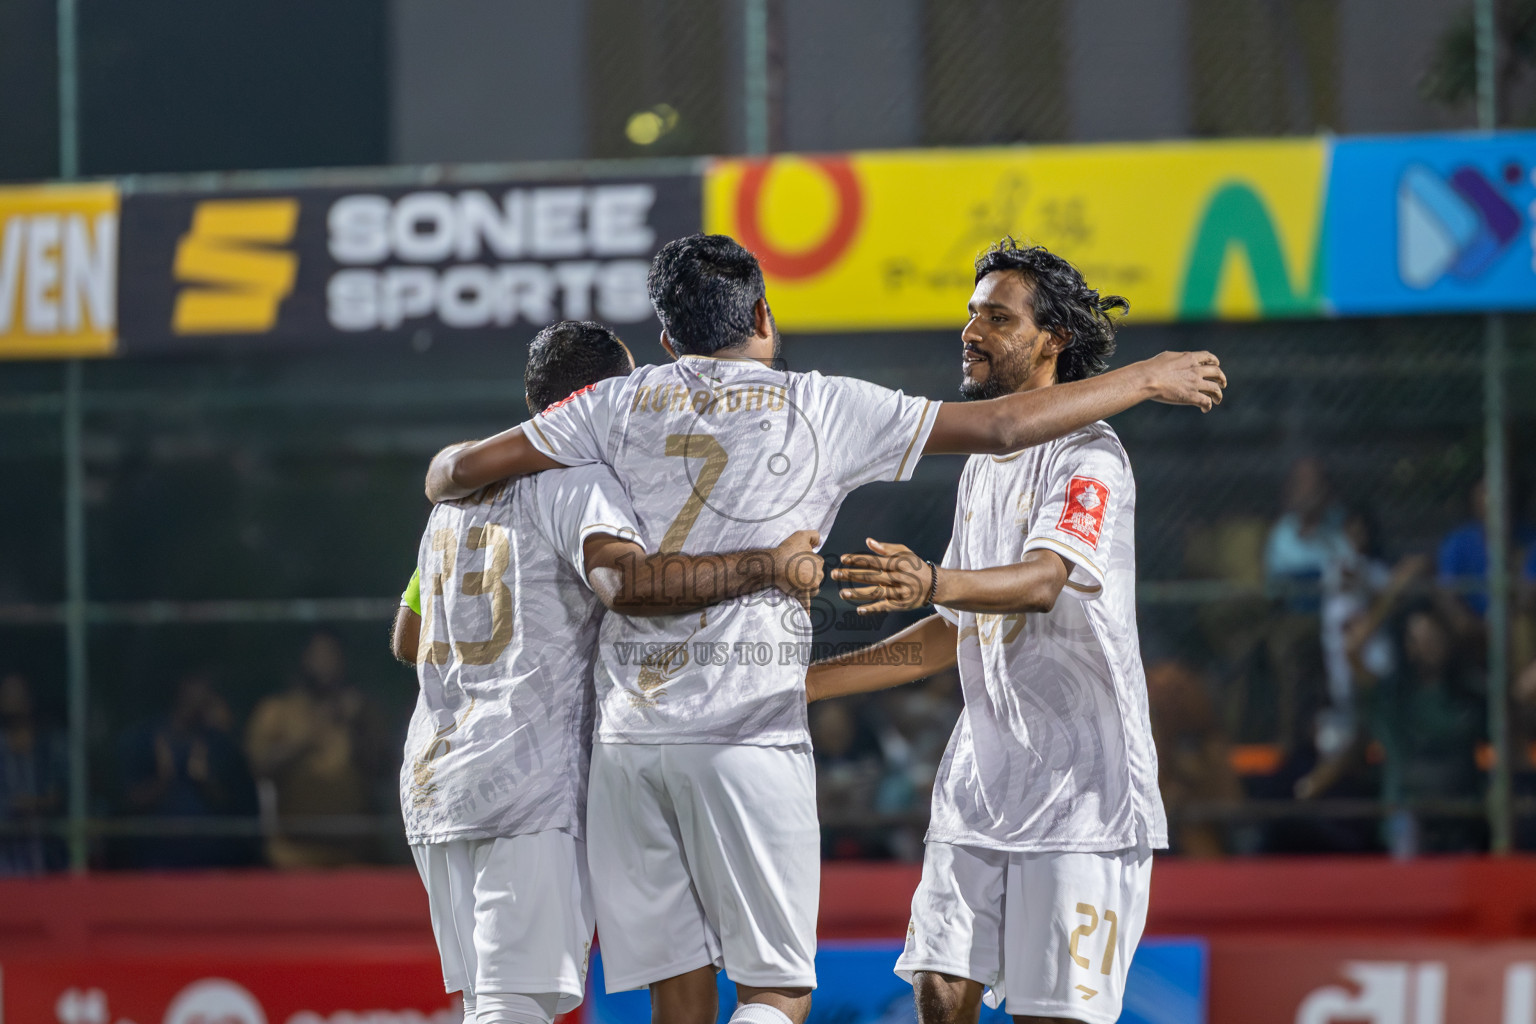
<point>1463,559</point>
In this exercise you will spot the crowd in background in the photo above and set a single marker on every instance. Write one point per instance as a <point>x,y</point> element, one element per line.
<point>301,785</point>
<point>1349,683</point>
<point>1353,680</point>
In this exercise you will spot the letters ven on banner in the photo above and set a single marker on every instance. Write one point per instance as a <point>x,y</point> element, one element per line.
<point>58,271</point>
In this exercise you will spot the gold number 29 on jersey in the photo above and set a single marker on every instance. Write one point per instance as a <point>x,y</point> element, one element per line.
<point>1082,931</point>
<point>488,581</point>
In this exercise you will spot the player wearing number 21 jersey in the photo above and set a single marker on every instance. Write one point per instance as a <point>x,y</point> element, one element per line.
<point>702,812</point>
<point>1045,806</point>
<point>513,581</point>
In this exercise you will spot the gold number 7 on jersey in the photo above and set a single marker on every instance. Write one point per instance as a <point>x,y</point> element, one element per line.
<point>693,446</point>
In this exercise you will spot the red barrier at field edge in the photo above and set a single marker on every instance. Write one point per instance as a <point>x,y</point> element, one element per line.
<point>1315,941</point>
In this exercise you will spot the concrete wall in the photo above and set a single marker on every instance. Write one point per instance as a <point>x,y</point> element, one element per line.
<point>487,80</point>
<point>1129,69</point>
<point>506,79</point>
<point>852,74</point>
<point>1385,45</point>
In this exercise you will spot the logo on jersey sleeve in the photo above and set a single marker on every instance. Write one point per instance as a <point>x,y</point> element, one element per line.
<point>1083,514</point>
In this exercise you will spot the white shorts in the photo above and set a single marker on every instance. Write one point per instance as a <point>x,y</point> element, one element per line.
<point>705,854</point>
<point>511,915</point>
<point>1053,933</point>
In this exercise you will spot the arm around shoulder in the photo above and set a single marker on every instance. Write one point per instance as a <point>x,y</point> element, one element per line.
<point>462,469</point>
<point>630,582</point>
<point>1012,422</point>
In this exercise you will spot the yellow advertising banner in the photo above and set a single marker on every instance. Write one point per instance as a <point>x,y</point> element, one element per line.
<point>1225,230</point>
<point>58,271</point>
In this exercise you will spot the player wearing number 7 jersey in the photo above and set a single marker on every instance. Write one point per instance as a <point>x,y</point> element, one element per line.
<point>512,583</point>
<point>702,812</point>
<point>1045,807</point>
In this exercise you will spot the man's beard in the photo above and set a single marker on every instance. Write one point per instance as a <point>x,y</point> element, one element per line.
<point>979,391</point>
<point>777,361</point>
<point>1003,378</point>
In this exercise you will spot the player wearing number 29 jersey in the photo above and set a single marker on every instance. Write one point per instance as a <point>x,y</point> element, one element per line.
<point>702,811</point>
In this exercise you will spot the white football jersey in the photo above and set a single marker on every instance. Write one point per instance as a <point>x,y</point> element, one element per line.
<point>1053,751</point>
<point>500,739</point>
<point>725,455</point>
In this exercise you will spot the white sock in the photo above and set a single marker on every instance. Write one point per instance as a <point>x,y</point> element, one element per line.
<point>758,1013</point>
<point>469,1006</point>
<point>515,1007</point>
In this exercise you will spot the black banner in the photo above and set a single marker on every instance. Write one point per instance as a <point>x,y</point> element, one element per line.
<point>312,266</point>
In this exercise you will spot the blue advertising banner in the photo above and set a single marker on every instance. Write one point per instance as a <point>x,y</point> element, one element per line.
<point>1167,985</point>
<point>1432,224</point>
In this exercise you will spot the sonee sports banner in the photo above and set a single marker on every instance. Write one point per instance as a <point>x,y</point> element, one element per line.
<point>318,265</point>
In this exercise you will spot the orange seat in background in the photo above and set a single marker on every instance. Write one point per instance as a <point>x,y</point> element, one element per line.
<point>1255,758</point>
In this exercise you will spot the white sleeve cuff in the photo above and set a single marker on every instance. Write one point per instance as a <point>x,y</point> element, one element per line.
<point>1085,579</point>
<point>914,452</point>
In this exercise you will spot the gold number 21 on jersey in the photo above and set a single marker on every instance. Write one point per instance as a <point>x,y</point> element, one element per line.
<point>1084,930</point>
<point>488,581</point>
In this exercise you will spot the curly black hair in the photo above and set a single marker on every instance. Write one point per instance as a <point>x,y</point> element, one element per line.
<point>567,356</point>
<point>705,290</point>
<point>1063,304</point>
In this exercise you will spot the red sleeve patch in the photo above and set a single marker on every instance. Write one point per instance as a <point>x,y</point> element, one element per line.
<point>1083,514</point>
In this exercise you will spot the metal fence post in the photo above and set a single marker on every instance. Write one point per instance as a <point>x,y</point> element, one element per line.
<point>69,90</point>
<point>74,472</point>
<point>1485,28</point>
<point>755,76</point>
<point>1495,475</point>
<point>74,610</point>
<point>1496,528</point>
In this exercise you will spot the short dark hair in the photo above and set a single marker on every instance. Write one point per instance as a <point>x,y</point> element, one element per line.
<point>705,290</point>
<point>1063,304</point>
<point>567,356</point>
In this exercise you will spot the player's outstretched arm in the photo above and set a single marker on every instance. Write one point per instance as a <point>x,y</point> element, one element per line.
<point>916,652</point>
<point>1007,424</point>
<point>895,579</point>
<point>630,582</point>
<point>462,469</point>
